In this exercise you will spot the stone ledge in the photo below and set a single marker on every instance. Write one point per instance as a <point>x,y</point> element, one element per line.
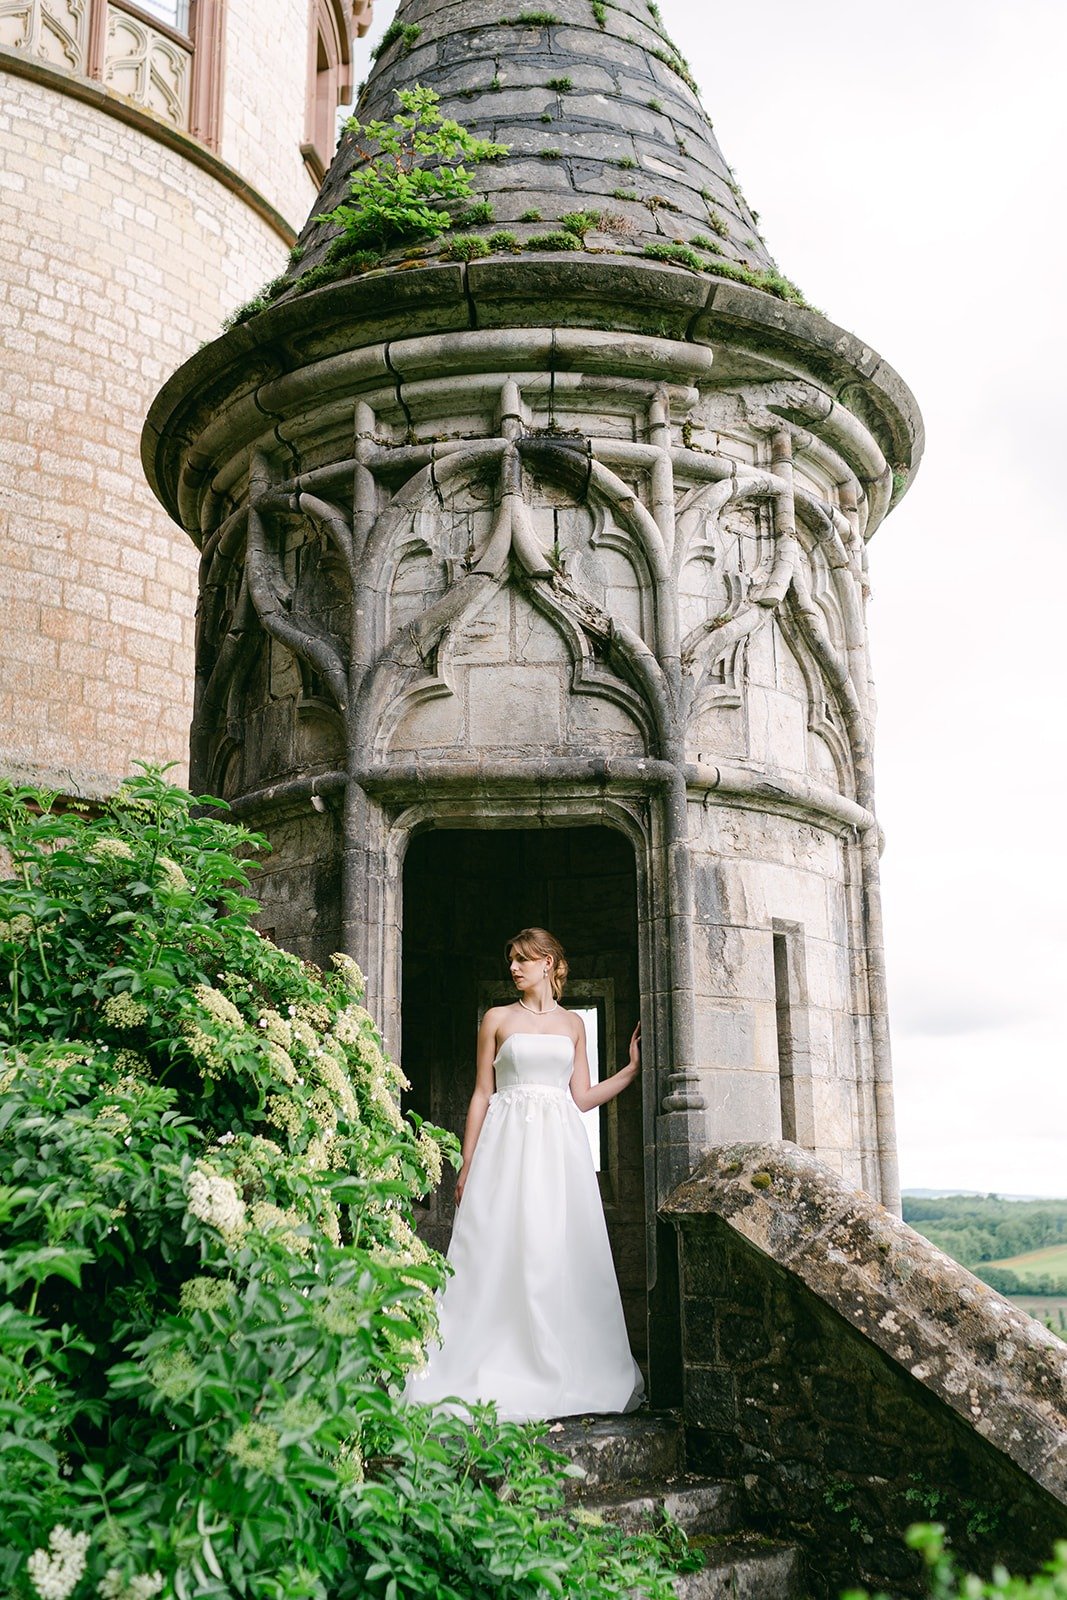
<point>621,295</point>
<point>996,1368</point>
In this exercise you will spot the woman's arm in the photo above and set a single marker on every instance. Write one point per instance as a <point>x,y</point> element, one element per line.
<point>483,1088</point>
<point>586,1095</point>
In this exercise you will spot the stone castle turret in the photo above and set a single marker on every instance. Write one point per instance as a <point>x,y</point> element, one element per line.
<point>533,590</point>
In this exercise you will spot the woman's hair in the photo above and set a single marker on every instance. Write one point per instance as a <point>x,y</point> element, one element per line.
<point>531,942</point>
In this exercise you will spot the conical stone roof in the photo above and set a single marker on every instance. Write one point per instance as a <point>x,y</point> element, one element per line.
<point>600,116</point>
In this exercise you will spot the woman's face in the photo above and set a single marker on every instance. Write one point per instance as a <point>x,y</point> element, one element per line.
<point>528,970</point>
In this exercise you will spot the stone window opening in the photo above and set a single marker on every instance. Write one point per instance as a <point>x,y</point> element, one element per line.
<point>329,82</point>
<point>791,1023</point>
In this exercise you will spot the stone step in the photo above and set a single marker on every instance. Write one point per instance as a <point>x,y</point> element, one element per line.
<point>743,1569</point>
<point>697,1505</point>
<point>616,1451</point>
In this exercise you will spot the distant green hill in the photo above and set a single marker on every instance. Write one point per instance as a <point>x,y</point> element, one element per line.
<point>1016,1246</point>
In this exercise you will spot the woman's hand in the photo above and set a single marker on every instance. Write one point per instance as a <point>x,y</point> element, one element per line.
<point>461,1182</point>
<point>633,1064</point>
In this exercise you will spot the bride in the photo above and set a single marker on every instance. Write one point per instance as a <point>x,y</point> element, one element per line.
<point>532,1317</point>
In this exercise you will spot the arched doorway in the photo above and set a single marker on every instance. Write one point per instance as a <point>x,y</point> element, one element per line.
<point>465,891</point>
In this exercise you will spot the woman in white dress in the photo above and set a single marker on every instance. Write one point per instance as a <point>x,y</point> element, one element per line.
<point>532,1318</point>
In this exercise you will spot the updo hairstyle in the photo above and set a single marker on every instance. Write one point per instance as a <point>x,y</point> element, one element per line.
<point>530,942</point>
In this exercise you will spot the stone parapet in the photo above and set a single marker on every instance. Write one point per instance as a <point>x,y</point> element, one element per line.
<point>857,1378</point>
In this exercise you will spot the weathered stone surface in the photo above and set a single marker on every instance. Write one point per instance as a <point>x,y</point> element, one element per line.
<point>858,1378</point>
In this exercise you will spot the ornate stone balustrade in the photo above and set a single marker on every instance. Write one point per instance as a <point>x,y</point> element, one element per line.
<point>145,63</point>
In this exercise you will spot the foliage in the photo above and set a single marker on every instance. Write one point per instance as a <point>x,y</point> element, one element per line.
<point>561,85</point>
<point>467,247</point>
<point>503,240</point>
<point>680,254</point>
<point>580,222</point>
<point>212,1289</point>
<point>945,1581</point>
<point>600,14</point>
<point>413,169</point>
<point>407,35</point>
<point>561,240</point>
<point>974,1229</point>
<point>473,216</point>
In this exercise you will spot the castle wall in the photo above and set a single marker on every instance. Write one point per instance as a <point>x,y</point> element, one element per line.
<point>266,48</point>
<point>119,257</point>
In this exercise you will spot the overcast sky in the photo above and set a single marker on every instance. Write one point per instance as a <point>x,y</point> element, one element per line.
<point>907,163</point>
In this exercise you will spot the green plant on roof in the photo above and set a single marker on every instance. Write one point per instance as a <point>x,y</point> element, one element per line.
<point>397,30</point>
<point>466,247</point>
<point>580,222</point>
<point>471,216</point>
<point>538,19</point>
<point>413,168</point>
<point>554,241</point>
<point>600,14</point>
<point>679,254</point>
<point>561,85</point>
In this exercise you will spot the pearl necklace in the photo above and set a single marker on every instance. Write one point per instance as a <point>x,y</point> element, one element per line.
<point>553,1007</point>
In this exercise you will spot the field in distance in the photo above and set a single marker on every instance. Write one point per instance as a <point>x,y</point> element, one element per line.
<point>1036,1263</point>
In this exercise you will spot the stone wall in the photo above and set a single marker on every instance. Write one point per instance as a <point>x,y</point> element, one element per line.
<point>857,1380</point>
<point>263,107</point>
<point>120,257</point>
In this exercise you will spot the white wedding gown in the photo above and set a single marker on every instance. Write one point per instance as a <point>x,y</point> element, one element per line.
<point>532,1317</point>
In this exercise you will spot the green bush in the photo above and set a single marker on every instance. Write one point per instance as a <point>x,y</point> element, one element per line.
<point>211,1285</point>
<point>413,169</point>
<point>945,1581</point>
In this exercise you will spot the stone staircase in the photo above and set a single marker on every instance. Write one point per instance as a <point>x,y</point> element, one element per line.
<point>635,1475</point>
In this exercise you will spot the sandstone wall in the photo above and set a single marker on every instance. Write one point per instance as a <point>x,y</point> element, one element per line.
<point>120,256</point>
<point>263,105</point>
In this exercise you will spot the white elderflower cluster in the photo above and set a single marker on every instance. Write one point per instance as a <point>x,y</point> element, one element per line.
<point>17,931</point>
<point>205,1294</point>
<point>123,1011</point>
<point>348,1464</point>
<point>277,1030</point>
<point>333,1076</point>
<point>304,1034</point>
<point>315,1013</point>
<point>255,1446</point>
<point>56,1572</point>
<point>217,1005</point>
<point>286,1224</point>
<point>282,1062</point>
<point>142,1586</point>
<point>284,1113</point>
<point>204,1050</point>
<point>349,973</point>
<point>430,1157</point>
<point>173,1373</point>
<point>171,874</point>
<point>350,1026</point>
<point>111,850</point>
<point>214,1200</point>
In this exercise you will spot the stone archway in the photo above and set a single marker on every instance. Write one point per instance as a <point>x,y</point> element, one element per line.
<point>465,891</point>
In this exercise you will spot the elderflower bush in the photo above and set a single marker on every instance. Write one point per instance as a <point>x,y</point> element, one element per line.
<point>210,1285</point>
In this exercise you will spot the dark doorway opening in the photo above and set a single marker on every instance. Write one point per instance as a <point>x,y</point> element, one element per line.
<point>466,892</point>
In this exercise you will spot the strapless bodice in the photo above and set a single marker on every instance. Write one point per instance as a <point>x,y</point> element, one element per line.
<point>534,1060</point>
